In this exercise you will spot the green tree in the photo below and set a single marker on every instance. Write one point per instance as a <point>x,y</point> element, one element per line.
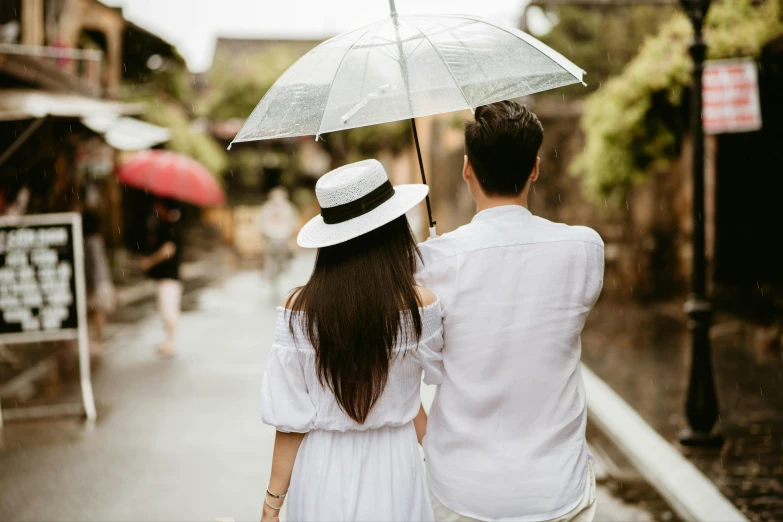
<point>185,139</point>
<point>602,40</point>
<point>235,86</point>
<point>633,125</point>
<point>170,102</point>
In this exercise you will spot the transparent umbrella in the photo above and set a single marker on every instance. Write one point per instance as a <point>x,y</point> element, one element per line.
<point>403,67</point>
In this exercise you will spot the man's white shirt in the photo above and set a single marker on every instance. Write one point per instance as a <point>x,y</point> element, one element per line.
<point>506,432</point>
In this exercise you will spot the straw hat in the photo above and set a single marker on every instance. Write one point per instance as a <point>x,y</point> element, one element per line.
<point>355,199</point>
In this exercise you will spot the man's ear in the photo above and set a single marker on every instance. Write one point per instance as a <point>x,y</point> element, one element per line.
<point>467,169</point>
<point>536,167</point>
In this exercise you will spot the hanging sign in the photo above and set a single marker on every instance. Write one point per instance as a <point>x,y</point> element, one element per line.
<point>731,96</point>
<point>42,287</point>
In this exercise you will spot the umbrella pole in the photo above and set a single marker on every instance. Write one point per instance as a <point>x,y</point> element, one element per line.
<point>404,70</point>
<point>423,178</point>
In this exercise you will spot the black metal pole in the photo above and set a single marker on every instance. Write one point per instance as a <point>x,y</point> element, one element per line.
<point>701,405</point>
<point>421,168</point>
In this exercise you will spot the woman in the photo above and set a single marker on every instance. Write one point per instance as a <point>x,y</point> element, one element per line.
<point>343,378</point>
<point>162,265</point>
<point>100,290</point>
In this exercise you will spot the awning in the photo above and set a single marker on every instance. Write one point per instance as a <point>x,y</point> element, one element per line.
<point>23,104</point>
<point>101,116</point>
<point>125,133</point>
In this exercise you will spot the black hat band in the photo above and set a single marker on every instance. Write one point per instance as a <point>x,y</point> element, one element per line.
<point>358,207</point>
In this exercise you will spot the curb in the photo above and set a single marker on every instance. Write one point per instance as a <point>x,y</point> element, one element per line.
<point>691,494</point>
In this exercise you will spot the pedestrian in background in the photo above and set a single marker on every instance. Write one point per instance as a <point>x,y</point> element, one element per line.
<point>163,266</point>
<point>100,289</point>
<point>277,221</point>
<point>343,378</point>
<point>506,432</point>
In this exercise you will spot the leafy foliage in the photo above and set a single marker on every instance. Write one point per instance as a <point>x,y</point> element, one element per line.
<point>185,139</point>
<point>237,85</point>
<point>633,125</point>
<point>602,41</point>
<point>169,99</point>
<point>367,141</point>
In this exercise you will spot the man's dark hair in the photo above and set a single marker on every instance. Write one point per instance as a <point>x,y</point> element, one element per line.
<point>502,146</point>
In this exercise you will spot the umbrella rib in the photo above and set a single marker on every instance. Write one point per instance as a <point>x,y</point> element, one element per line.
<point>336,72</point>
<point>467,49</point>
<point>387,42</point>
<point>445,64</point>
<point>319,47</point>
<point>500,27</point>
<point>366,61</point>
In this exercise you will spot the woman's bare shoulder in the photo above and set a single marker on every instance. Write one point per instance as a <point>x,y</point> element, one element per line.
<point>290,299</point>
<point>426,297</point>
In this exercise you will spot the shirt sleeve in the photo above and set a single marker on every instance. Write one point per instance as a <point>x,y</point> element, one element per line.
<point>285,401</point>
<point>594,281</point>
<point>436,274</point>
<point>430,355</point>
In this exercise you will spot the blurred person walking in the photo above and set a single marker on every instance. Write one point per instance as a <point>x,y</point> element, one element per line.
<point>277,220</point>
<point>163,266</point>
<point>342,380</point>
<point>506,432</point>
<point>101,300</point>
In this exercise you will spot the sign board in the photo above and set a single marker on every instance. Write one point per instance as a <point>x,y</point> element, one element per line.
<point>731,96</point>
<point>42,291</point>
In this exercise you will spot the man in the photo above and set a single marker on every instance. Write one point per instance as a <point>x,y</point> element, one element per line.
<point>278,220</point>
<point>163,265</point>
<point>506,433</point>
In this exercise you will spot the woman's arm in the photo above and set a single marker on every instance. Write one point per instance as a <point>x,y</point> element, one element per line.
<point>286,448</point>
<point>420,423</point>
<point>168,249</point>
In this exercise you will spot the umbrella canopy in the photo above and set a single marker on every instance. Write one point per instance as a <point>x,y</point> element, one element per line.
<point>404,67</point>
<point>171,175</point>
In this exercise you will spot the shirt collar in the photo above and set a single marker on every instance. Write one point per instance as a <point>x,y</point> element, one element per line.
<point>503,213</point>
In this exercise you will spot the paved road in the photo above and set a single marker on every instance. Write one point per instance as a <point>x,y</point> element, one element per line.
<point>178,439</point>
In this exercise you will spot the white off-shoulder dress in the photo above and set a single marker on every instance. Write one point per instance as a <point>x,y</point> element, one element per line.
<point>345,470</point>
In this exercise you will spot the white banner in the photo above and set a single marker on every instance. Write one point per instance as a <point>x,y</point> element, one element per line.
<point>731,96</point>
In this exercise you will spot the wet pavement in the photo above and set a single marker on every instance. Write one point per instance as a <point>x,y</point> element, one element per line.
<point>182,439</point>
<point>643,354</point>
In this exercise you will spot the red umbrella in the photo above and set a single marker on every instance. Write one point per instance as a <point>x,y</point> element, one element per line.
<point>171,175</point>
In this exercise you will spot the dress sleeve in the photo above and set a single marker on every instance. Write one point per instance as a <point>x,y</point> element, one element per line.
<point>431,345</point>
<point>285,401</point>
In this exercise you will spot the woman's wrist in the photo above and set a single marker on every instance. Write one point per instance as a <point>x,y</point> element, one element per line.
<point>273,500</point>
<point>272,508</point>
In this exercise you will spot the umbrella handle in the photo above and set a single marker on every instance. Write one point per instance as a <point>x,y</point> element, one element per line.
<point>392,8</point>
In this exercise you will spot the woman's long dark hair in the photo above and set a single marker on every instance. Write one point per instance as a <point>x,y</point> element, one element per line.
<point>352,304</point>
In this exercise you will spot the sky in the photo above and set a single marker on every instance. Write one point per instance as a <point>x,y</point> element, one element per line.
<point>193,25</point>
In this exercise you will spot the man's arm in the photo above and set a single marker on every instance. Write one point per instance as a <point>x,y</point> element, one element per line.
<point>435,272</point>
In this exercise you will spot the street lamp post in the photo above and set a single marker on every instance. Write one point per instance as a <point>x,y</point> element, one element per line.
<point>701,406</point>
